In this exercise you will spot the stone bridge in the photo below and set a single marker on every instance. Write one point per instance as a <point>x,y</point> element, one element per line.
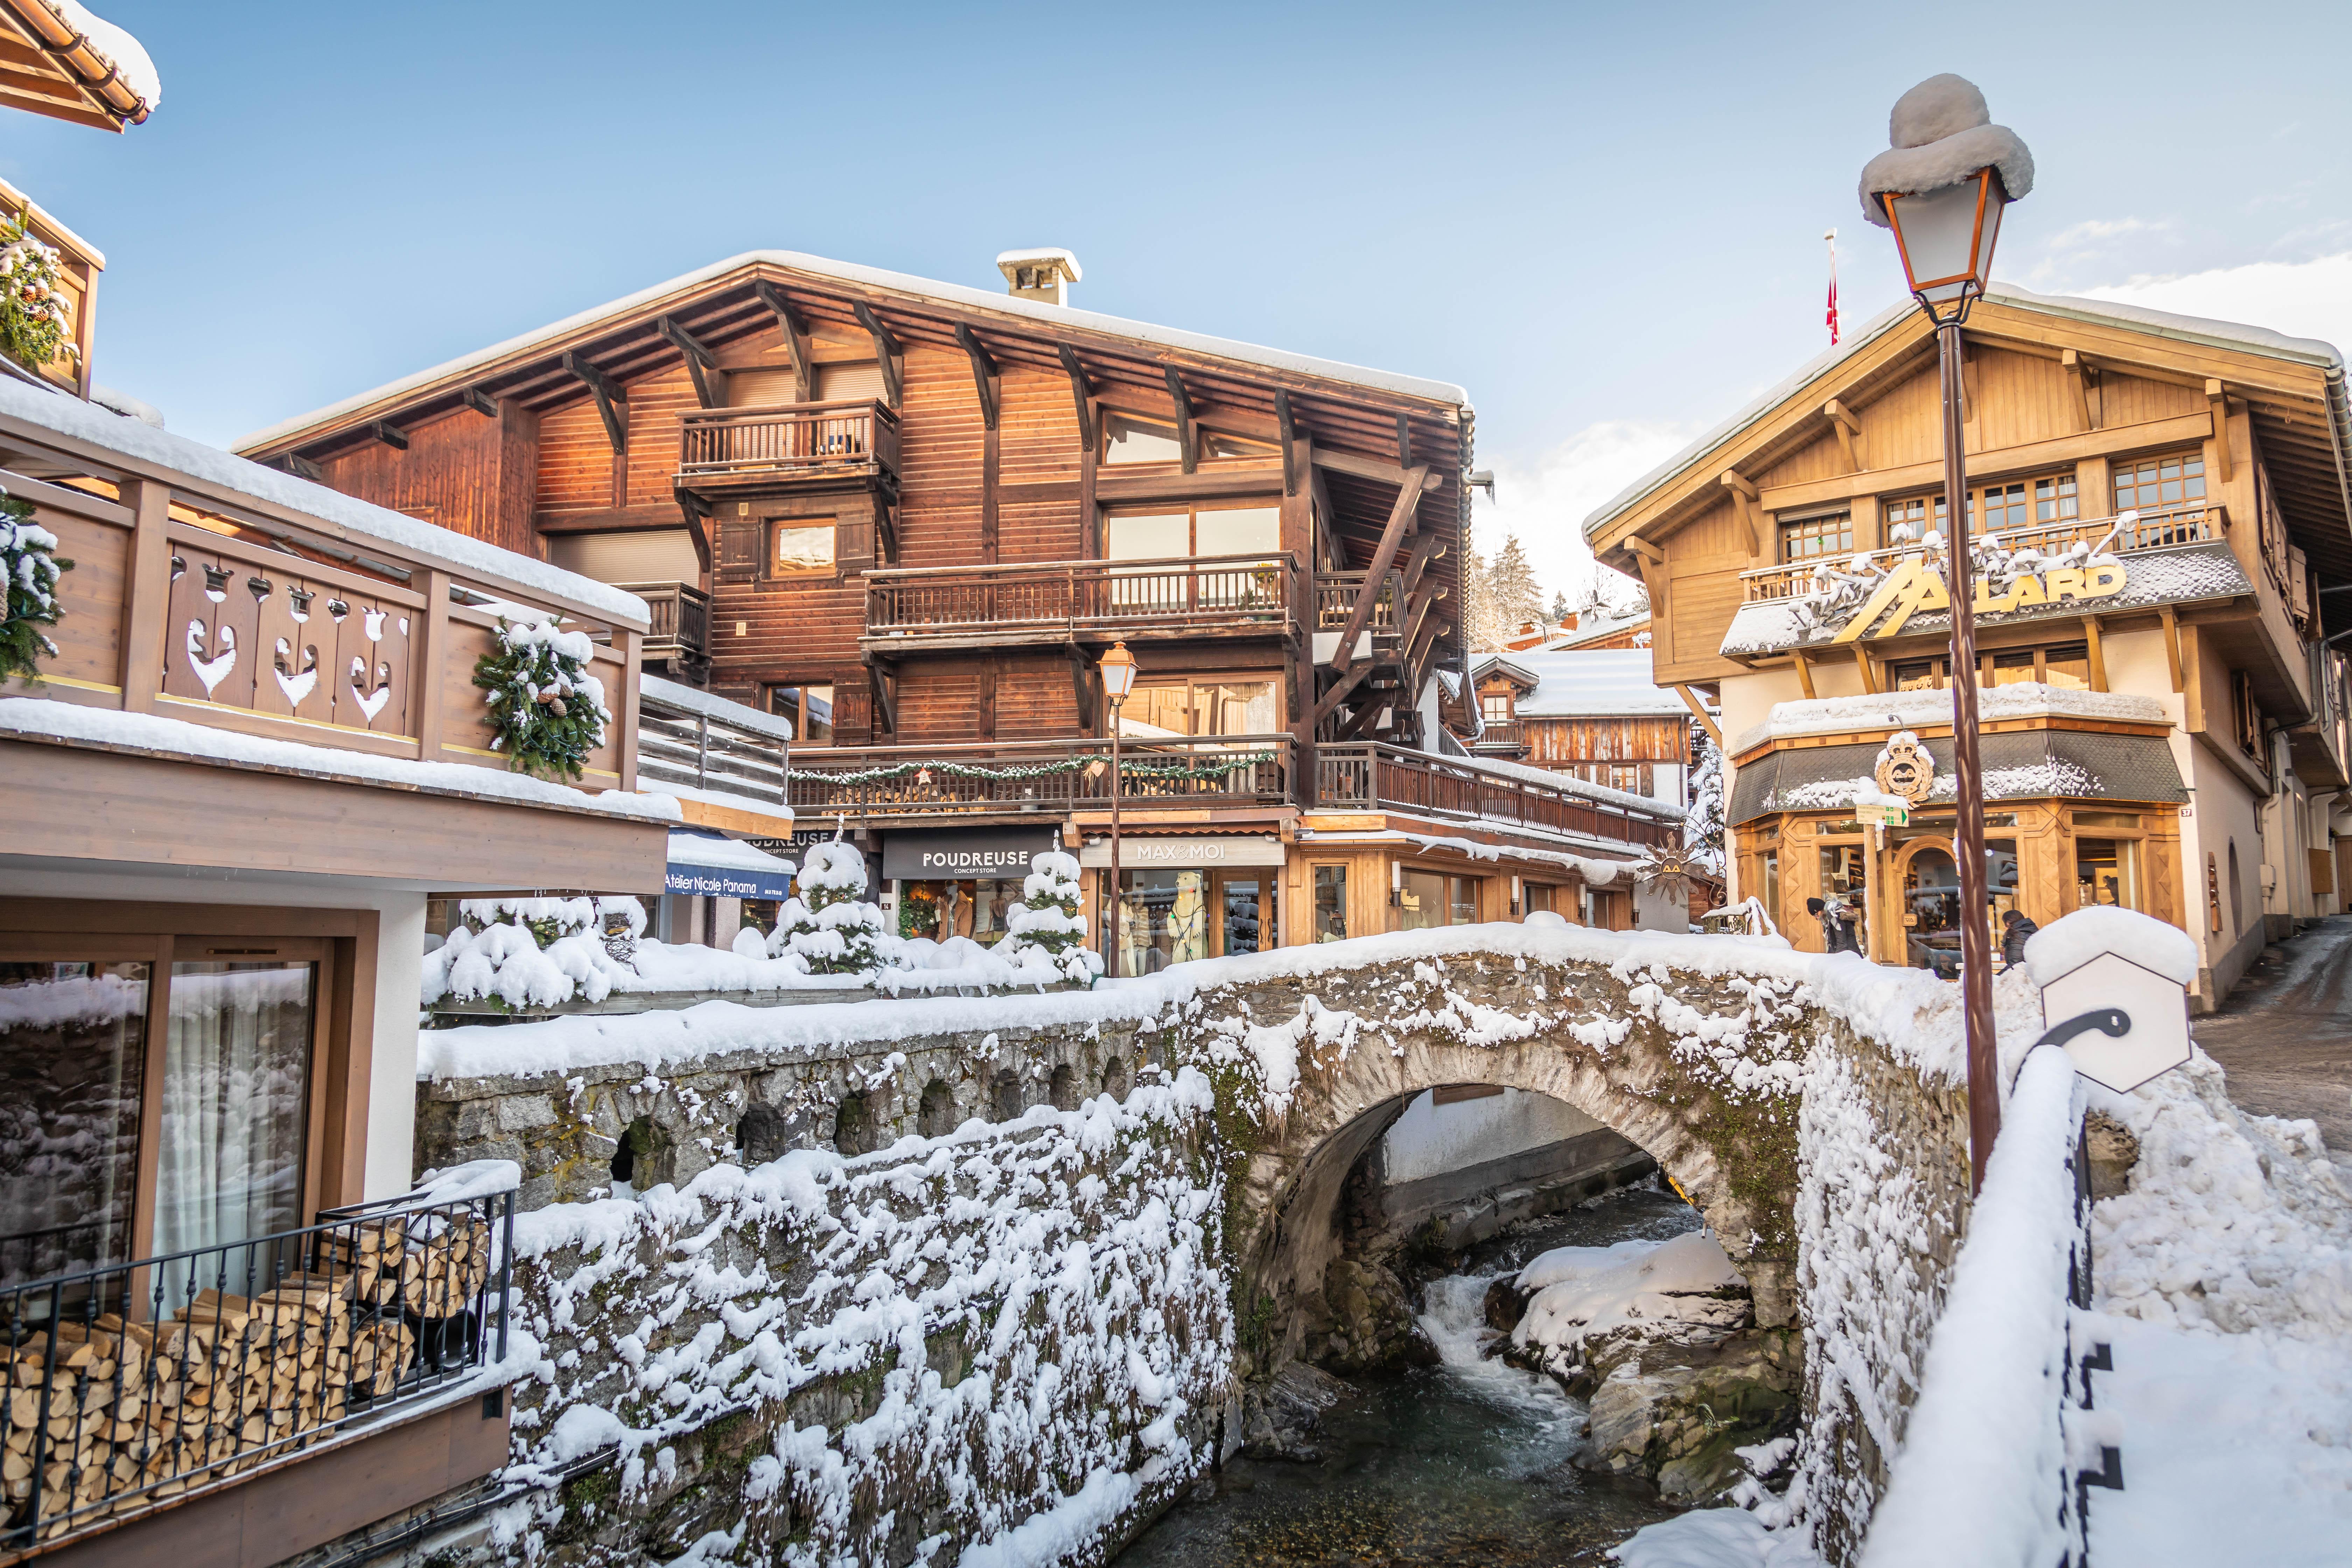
<point>1773,1089</point>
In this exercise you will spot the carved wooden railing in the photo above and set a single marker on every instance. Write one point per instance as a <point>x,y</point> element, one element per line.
<point>788,439</point>
<point>1244,594</point>
<point>681,619</point>
<point>1366,776</point>
<point>2203,524</point>
<point>1047,777</point>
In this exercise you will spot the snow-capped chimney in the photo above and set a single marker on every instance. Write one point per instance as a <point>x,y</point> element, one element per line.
<point>1043,273</point>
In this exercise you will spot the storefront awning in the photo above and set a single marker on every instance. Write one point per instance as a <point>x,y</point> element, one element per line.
<point>2019,765</point>
<point>712,867</point>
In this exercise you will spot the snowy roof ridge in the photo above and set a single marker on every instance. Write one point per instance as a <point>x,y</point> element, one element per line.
<point>2024,699</point>
<point>875,278</point>
<point>110,46</point>
<point>2202,330</point>
<point>66,415</point>
<point>1596,682</point>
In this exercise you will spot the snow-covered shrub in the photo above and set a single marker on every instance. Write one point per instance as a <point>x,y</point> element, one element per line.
<point>29,553</point>
<point>828,924</point>
<point>517,954</point>
<point>750,942</point>
<point>549,712</point>
<point>35,326</point>
<point>1045,937</point>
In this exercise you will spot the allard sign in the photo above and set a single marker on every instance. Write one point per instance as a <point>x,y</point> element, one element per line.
<point>1915,586</point>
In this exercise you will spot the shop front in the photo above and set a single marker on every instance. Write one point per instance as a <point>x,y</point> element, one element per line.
<point>947,883</point>
<point>1183,896</point>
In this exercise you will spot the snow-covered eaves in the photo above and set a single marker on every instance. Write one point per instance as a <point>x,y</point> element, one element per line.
<point>1930,707</point>
<point>1597,629</point>
<point>741,715</point>
<point>154,735</point>
<point>822,269</point>
<point>96,73</point>
<point>1595,683</point>
<point>166,454</point>
<point>718,854</point>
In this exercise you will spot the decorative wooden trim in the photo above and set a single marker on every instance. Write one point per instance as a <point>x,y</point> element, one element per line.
<point>796,339</point>
<point>481,401</point>
<point>611,400</point>
<point>2078,393</point>
<point>709,382</point>
<point>146,594</point>
<point>985,376</point>
<point>2217,399</point>
<point>1849,432</point>
<point>1744,496</point>
<point>1079,395</point>
<point>887,354</point>
<point>430,646</point>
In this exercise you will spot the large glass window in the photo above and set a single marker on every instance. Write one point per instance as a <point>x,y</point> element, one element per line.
<point>1330,903</point>
<point>73,1054</point>
<point>1427,900</point>
<point>2149,484</point>
<point>1244,903</point>
<point>808,708</point>
<point>2106,871</point>
<point>1174,533</point>
<point>1818,538</point>
<point>1246,704</point>
<point>1163,919</point>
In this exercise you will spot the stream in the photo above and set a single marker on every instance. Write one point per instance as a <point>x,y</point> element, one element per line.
<point>1462,1463</point>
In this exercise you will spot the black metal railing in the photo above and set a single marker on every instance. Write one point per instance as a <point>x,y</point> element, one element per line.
<point>140,1381</point>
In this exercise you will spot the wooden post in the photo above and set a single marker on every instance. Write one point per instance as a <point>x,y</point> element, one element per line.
<point>629,644</point>
<point>1804,674</point>
<point>2172,645</point>
<point>147,595</point>
<point>432,647</point>
<point>1400,519</point>
<point>1862,663</point>
<point>2098,655</point>
<point>2221,405</point>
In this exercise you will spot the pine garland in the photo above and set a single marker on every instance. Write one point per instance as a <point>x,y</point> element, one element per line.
<point>548,709</point>
<point>33,325</point>
<point>28,555</point>
<point>1129,768</point>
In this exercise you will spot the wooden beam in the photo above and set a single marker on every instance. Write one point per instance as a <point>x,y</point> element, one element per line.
<point>1399,524</point>
<point>984,372</point>
<point>1188,435</point>
<point>481,401</point>
<point>1849,430</point>
<point>2216,398</point>
<point>1289,438</point>
<point>1080,394</point>
<point>698,512</point>
<point>887,352</point>
<point>1698,711</point>
<point>2172,644</point>
<point>1082,672</point>
<point>1862,663</point>
<point>1968,388</point>
<point>612,401</point>
<point>885,695</point>
<point>1369,467</point>
<point>1339,688</point>
<point>390,434</point>
<point>1404,442</point>
<point>1428,548</point>
<point>301,466</point>
<point>2059,451</point>
<point>2071,363</point>
<point>1373,705</point>
<point>1804,674</point>
<point>796,337</point>
<point>1744,495</point>
<point>699,364</point>
<point>2098,653</point>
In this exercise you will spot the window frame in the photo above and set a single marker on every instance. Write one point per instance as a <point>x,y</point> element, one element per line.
<point>1814,525</point>
<point>1113,510</point>
<point>1192,680</point>
<point>2192,461</point>
<point>768,690</point>
<point>770,530</point>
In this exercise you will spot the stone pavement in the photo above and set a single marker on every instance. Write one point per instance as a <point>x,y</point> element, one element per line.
<point>2284,1035</point>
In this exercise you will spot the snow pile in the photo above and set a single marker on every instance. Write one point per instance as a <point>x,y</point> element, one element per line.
<point>2071,942</point>
<point>115,46</point>
<point>1585,1292</point>
<point>1713,1537</point>
<point>529,955</point>
<point>1020,1331</point>
<point>827,928</point>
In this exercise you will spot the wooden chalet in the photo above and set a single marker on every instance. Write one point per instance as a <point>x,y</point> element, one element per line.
<point>2168,508</point>
<point>909,517</point>
<point>1590,714</point>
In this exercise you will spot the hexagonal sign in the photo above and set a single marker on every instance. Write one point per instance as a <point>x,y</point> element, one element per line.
<point>2157,1040</point>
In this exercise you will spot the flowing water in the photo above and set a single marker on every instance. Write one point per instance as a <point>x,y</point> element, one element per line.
<point>1462,1463</point>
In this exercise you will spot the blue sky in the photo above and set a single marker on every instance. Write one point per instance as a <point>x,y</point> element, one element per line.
<point>1604,221</point>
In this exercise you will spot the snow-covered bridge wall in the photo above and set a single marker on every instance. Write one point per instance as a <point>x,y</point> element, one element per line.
<point>1041,1315</point>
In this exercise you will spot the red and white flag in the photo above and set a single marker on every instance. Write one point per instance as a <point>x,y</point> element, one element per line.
<point>1831,236</point>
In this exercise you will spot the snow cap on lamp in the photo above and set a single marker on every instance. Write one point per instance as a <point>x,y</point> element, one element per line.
<point>1940,134</point>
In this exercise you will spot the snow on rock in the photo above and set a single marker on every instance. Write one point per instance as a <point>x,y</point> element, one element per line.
<point>1585,1292</point>
<point>1713,1537</point>
<point>2071,940</point>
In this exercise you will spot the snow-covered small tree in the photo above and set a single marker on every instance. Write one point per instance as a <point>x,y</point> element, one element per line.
<point>521,953</point>
<point>1511,579</point>
<point>829,924</point>
<point>1045,937</point>
<point>1482,618</point>
<point>1702,822</point>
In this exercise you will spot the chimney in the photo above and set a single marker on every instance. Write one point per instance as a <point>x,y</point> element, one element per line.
<point>1043,273</point>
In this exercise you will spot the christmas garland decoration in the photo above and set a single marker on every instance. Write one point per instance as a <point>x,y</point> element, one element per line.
<point>921,772</point>
<point>34,326</point>
<point>549,712</point>
<point>28,555</point>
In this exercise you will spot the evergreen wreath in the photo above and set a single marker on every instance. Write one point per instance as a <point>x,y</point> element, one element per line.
<point>33,325</point>
<point>29,553</point>
<point>549,712</point>
<point>1129,768</point>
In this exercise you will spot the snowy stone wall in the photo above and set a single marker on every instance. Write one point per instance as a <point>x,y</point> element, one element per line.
<point>1009,1345</point>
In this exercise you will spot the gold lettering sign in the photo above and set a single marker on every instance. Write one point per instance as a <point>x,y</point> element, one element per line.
<point>1915,587</point>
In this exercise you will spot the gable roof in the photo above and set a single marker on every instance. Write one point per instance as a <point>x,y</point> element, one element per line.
<point>1595,683</point>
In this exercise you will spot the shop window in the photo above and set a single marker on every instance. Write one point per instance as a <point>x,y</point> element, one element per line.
<point>1931,912</point>
<point>809,710</point>
<point>1829,537</point>
<point>1918,674</point>
<point>1845,897</point>
<point>1330,903</point>
<point>2067,665</point>
<point>2152,484</point>
<point>1163,919</point>
<point>800,546</point>
<point>975,907</point>
<point>1542,896</point>
<point>2106,872</point>
<point>1427,900</point>
<point>1244,902</point>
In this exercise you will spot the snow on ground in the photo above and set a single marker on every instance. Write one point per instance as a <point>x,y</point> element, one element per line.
<point>1713,1537</point>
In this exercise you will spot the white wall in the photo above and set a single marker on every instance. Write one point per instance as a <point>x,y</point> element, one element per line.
<point>1429,1138</point>
<point>399,969</point>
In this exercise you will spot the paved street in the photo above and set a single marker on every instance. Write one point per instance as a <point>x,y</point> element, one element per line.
<point>2284,1036</point>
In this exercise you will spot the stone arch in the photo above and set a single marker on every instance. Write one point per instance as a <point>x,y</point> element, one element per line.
<point>1004,1097</point>
<point>1116,1079</point>
<point>936,1116</point>
<point>1062,1090</point>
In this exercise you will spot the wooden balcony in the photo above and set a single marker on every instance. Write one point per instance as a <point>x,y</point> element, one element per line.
<point>2165,529</point>
<point>736,450</point>
<point>1369,776</point>
<point>680,634</point>
<point>1048,779</point>
<point>1080,601</point>
<point>1335,596</point>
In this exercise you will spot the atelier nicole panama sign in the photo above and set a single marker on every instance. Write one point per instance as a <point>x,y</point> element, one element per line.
<point>1915,587</point>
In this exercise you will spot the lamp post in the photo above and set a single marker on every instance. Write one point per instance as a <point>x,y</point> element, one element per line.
<point>1941,186</point>
<point>1118,669</point>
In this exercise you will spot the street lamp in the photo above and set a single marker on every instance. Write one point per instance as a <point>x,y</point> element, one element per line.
<point>1118,669</point>
<point>1941,186</point>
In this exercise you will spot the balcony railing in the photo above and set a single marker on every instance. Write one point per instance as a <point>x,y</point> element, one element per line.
<point>684,737</point>
<point>137,1382</point>
<point>788,441</point>
<point>1335,597</point>
<point>681,621</point>
<point>1369,776</point>
<point>2151,531</point>
<point>1048,777</point>
<point>1230,594</point>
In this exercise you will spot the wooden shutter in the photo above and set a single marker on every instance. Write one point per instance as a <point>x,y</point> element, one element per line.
<point>738,551</point>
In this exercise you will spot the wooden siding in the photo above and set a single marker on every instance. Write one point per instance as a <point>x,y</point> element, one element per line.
<point>465,472</point>
<point>1644,740</point>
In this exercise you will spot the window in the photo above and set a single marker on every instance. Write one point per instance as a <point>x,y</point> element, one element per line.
<point>1845,893</point>
<point>2012,668</point>
<point>1129,439</point>
<point>1496,707</point>
<point>1330,903</point>
<point>1176,534</point>
<point>809,710</point>
<point>1427,900</point>
<point>1542,896</point>
<point>2059,664</point>
<point>2000,506</point>
<point>2106,871</point>
<point>1163,919</point>
<point>800,545</point>
<point>1244,704</point>
<point>1772,886</point>
<point>2150,484</point>
<point>1818,538</point>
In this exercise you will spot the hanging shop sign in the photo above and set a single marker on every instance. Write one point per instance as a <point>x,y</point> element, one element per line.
<point>1907,769</point>
<point>1183,853</point>
<point>1915,587</point>
<point>926,857</point>
<point>706,865</point>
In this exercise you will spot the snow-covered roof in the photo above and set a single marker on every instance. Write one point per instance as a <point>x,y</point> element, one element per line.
<point>1929,706</point>
<point>1061,316</point>
<point>741,715</point>
<point>101,61</point>
<point>63,414</point>
<point>2236,335</point>
<point>1600,625</point>
<point>1507,663</point>
<point>708,849</point>
<point>112,45</point>
<point>1608,682</point>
